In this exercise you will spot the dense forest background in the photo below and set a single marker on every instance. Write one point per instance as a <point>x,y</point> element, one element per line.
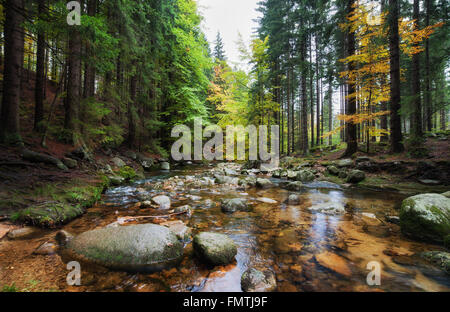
<point>328,72</point>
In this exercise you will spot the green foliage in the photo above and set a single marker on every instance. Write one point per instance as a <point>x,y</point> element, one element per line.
<point>416,147</point>
<point>10,288</point>
<point>127,172</point>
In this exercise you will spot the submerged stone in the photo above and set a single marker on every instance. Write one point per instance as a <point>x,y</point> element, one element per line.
<point>440,258</point>
<point>145,247</point>
<point>328,208</point>
<point>233,205</point>
<point>254,280</point>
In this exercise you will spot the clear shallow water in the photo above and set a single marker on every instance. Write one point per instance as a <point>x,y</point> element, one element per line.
<point>307,251</point>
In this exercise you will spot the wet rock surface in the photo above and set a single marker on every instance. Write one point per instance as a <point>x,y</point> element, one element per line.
<point>146,247</point>
<point>214,248</point>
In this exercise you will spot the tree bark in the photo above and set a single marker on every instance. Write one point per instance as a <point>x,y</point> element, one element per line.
<point>428,104</point>
<point>14,51</point>
<point>352,145</point>
<point>415,79</point>
<point>39,94</point>
<point>89,72</point>
<point>394,51</point>
<point>72,122</point>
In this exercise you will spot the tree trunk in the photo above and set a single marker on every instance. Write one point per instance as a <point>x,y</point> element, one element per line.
<point>352,145</point>
<point>304,105</point>
<point>72,122</point>
<point>428,104</point>
<point>89,72</point>
<point>330,108</point>
<point>417,102</point>
<point>394,51</point>
<point>40,74</point>
<point>14,51</point>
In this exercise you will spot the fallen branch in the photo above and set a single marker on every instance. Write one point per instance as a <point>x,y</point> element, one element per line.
<point>123,220</point>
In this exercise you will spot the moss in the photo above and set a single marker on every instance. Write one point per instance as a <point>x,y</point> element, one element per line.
<point>48,214</point>
<point>127,173</point>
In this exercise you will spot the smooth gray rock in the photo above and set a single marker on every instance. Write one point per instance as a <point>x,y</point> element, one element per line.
<point>145,247</point>
<point>263,183</point>
<point>344,163</point>
<point>21,233</point>
<point>163,201</point>
<point>329,208</point>
<point>292,186</point>
<point>214,248</point>
<point>446,194</point>
<point>233,205</point>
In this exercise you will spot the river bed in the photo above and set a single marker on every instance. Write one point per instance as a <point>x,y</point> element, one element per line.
<point>306,250</point>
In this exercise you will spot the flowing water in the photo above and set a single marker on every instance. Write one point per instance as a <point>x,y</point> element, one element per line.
<point>307,251</point>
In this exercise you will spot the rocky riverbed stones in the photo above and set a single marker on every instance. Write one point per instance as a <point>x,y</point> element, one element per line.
<point>233,205</point>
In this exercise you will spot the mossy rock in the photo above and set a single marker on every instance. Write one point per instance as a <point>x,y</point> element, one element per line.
<point>439,258</point>
<point>135,248</point>
<point>127,173</point>
<point>426,217</point>
<point>214,248</point>
<point>48,214</point>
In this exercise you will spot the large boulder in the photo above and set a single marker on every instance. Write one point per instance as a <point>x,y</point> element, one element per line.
<point>426,217</point>
<point>356,176</point>
<point>214,248</point>
<point>254,280</point>
<point>305,176</point>
<point>233,205</point>
<point>48,214</point>
<point>145,247</point>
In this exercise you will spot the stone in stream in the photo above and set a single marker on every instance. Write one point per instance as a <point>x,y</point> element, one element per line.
<point>135,248</point>
<point>292,186</point>
<point>254,280</point>
<point>305,176</point>
<point>22,233</point>
<point>163,201</point>
<point>220,179</point>
<point>292,175</point>
<point>344,163</point>
<point>356,176</point>
<point>214,248</point>
<point>179,228</point>
<point>426,217</point>
<point>328,208</point>
<point>63,238</point>
<point>440,258</point>
<point>165,166</point>
<point>229,172</point>
<point>46,249</point>
<point>266,200</point>
<point>119,163</point>
<point>184,209</point>
<point>233,205</point>
<point>334,263</point>
<point>116,180</point>
<point>393,219</point>
<point>263,183</point>
<point>247,182</point>
<point>333,170</point>
<point>446,194</point>
<point>293,199</point>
